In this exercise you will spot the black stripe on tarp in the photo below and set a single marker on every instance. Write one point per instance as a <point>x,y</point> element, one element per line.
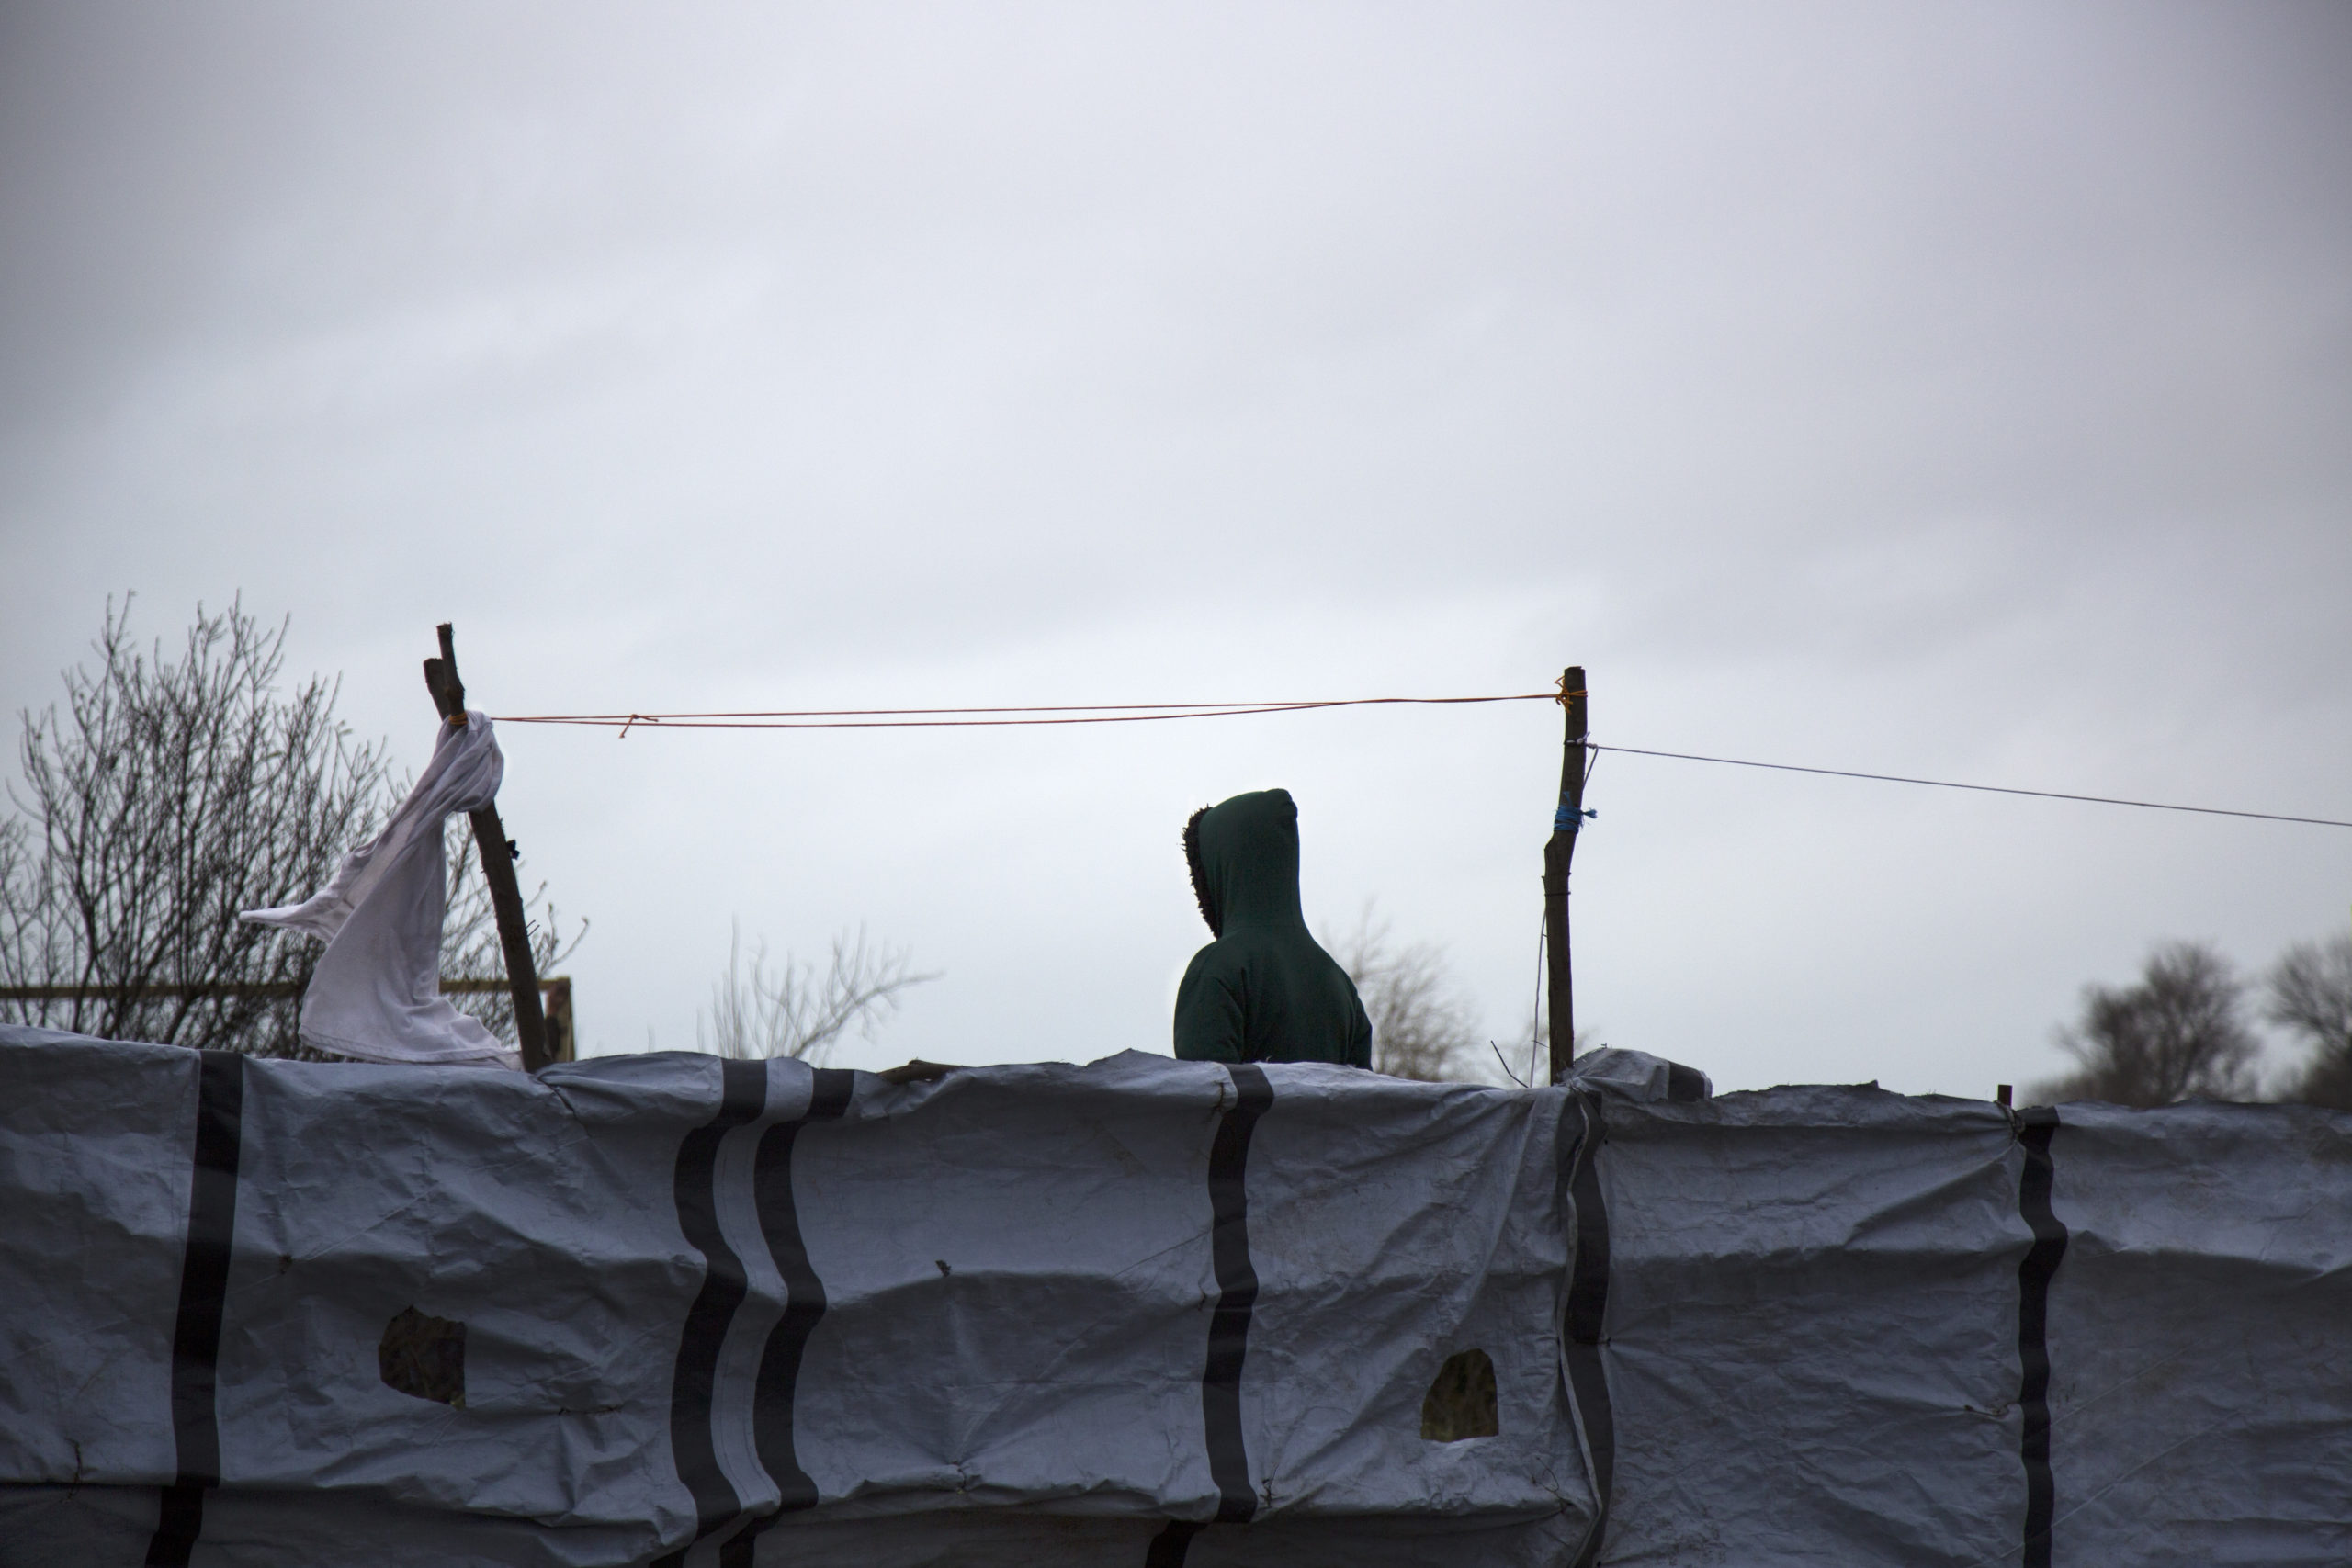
<point>744,1090</point>
<point>204,1288</point>
<point>1588,1312</point>
<point>1237,1283</point>
<point>2035,1127</point>
<point>804,1306</point>
<point>179,1520</point>
<point>1169,1547</point>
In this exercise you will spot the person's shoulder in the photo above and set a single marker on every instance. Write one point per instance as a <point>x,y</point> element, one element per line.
<point>1218,957</point>
<point>1323,960</point>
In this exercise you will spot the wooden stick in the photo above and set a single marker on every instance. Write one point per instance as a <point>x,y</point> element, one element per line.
<point>498,854</point>
<point>1558,850</point>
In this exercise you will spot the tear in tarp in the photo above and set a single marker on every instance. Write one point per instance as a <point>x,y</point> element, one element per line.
<point>375,992</point>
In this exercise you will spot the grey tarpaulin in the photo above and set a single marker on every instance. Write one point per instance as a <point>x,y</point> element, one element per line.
<point>1138,1312</point>
<point>2200,1335</point>
<point>1052,1314</point>
<point>1823,1302</point>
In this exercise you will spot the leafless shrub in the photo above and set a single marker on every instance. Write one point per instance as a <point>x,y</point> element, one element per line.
<point>2309,995</point>
<point>801,1010</point>
<point>1421,1026</point>
<point>2179,1034</point>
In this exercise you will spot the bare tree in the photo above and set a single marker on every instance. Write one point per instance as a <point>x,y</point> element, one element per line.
<point>2179,1034</point>
<point>169,794</point>
<point>801,1010</point>
<point>2309,995</point>
<point>1422,1027</point>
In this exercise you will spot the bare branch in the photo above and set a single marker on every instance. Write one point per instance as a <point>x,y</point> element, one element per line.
<point>799,1012</point>
<point>1422,1027</point>
<point>167,795</point>
<point>2179,1034</point>
<point>2309,995</point>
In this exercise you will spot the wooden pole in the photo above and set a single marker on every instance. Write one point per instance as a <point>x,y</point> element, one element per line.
<point>498,855</point>
<point>1558,850</point>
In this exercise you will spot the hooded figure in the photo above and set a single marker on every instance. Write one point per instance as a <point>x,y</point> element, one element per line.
<point>1265,990</point>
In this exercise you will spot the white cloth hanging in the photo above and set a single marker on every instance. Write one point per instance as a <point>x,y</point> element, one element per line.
<point>376,993</point>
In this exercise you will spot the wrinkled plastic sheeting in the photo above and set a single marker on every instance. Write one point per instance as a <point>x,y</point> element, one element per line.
<point>1020,1267</point>
<point>1816,1324</point>
<point>2200,1335</point>
<point>1812,1329</point>
<point>1815,1316</point>
<point>58,1525</point>
<point>1637,1075</point>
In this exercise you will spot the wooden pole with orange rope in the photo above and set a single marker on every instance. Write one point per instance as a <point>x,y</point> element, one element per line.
<point>1559,851</point>
<point>498,856</point>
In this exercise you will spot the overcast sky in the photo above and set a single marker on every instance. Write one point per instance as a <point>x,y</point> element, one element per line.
<point>1962,390</point>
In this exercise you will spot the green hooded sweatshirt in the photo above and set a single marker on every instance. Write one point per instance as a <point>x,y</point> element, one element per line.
<point>1265,990</point>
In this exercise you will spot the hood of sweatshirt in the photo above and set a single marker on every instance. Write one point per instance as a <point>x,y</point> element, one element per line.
<point>1244,857</point>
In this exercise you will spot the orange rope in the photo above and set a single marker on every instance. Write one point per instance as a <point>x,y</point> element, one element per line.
<point>958,717</point>
<point>1135,712</point>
